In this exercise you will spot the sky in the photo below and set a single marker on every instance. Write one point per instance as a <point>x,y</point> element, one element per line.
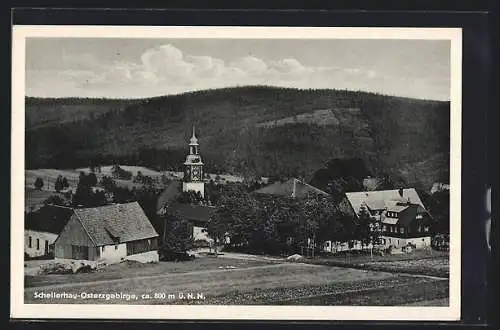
<point>135,68</point>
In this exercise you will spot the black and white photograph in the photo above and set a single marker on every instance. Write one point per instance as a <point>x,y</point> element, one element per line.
<point>258,172</point>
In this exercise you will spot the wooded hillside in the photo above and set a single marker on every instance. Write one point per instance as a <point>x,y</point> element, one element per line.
<point>261,131</point>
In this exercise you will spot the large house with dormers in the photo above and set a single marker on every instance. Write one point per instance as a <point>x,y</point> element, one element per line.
<point>402,217</point>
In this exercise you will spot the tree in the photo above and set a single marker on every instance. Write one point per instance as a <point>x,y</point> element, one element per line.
<point>65,183</point>
<point>164,179</point>
<point>118,173</point>
<point>438,205</point>
<point>91,179</point>
<point>38,183</point>
<point>139,178</point>
<point>363,225</point>
<point>55,200</point>
<point>368,228</point>
<point>108,183</point>
<point>58,185</point>
<point>237,215</point>
<point>327,218</point>
<point>84,194</point>
<point>178,237</point>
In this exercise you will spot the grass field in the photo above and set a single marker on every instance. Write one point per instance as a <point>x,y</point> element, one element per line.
<point>34,198</point>
<point>422,262</point>
<point>72,175</point>
<point>231,281</point>
<point>106,170</point>
<point>135,269</point>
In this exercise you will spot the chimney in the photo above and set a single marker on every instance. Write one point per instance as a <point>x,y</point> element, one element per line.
<point>401,191</point>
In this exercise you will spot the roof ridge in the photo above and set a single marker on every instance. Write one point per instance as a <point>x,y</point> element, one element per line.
<point>307,184</point>
<point>85,228</point>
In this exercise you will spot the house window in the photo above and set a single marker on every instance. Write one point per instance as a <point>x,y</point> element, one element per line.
<point>384,228</point>
<point>401,230</point>
<point>38,244</point>
<point>30,242</point>
<point>419,229</point>
<point>426,229</point>
<point>116,247</point>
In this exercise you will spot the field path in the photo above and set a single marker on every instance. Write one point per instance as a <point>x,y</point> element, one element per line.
<point>164,276</point>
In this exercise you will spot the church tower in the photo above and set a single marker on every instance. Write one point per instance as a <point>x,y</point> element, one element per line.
<point>193,169</point>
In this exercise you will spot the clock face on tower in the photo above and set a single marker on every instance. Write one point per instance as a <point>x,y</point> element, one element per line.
<point>196,173</point>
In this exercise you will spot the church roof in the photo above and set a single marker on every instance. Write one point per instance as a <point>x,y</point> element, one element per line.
<point>194,213</point>
<point>169,194</point>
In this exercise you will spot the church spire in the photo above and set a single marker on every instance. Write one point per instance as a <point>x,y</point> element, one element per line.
<point>193,168</point>
<point>193,140</point>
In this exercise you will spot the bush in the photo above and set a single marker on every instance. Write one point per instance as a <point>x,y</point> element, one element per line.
<point>57,269</point>
<point>176,256</point>
<point>379,251</point>
<point>441,242</point>
<point>84,269</point>
<point>201,243</point>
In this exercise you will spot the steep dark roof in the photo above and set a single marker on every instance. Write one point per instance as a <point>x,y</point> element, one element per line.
<point>291,188</point>
<point>190,212</point>
<point>169,194</point>
<point>116,223</point>
<point>50,219</point>
<point>408,215</point>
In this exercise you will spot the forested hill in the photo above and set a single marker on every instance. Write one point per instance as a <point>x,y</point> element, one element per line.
<point>264,131</point>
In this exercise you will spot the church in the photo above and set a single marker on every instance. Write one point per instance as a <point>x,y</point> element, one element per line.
<point>192,181</point>
<point>193,168</point>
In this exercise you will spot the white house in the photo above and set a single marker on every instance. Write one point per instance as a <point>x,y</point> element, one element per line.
<point>402,216</point>
<point>38,243</point>
<point>41,229</point>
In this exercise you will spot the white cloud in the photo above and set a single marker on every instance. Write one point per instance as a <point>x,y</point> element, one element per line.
<point>166,69</point>
<point>250,65</point>
<point>166,61</point>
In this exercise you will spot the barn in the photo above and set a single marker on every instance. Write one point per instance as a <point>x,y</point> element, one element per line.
<point>110,233</point>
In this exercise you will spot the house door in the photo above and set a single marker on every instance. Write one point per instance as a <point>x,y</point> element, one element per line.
<point>46,247</point>
<point>79,252</point>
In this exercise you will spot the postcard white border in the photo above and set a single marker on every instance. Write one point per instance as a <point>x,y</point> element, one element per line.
<point>210,312</point>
